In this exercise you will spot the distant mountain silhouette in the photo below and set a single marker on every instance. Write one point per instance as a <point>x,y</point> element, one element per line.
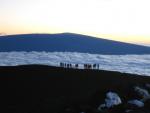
<point>68,42</point>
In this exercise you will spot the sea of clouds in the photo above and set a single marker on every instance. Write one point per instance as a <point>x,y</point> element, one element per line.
<point>136,64</point>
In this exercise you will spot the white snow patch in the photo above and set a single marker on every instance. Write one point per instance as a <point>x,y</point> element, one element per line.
<point>136,64</point>
<point>101,107</point>
<point>143,93</point>
<point>112,99</point>
<point>137,103</point>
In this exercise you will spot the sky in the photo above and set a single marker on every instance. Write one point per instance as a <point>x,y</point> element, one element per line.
<point>122,20</point>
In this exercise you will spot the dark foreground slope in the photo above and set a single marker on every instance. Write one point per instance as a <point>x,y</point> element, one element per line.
<point>44,89</point>
<point>67,42</point>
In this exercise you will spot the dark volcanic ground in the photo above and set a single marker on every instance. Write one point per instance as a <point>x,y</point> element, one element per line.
<point>44,89</point>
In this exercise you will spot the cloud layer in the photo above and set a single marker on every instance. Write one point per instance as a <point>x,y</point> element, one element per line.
<point>136,64</point>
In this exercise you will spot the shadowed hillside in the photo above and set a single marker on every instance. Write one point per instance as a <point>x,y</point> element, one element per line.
<point>44,89</point>
<point>68,42</point>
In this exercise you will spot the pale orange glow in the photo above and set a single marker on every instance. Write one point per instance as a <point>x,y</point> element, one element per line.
<point>138,39</point>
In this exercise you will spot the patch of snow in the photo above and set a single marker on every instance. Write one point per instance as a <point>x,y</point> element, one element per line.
<point>101,107</point>
<point>137,103</point>
<point>143,93</point>
<point>112,99</point>
<point>136,64</point>
<point>128,110</point>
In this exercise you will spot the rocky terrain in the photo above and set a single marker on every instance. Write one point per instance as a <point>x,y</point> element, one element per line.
<point>46,89</point>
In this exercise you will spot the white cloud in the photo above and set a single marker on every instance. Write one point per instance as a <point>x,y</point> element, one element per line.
<point>137,64</point>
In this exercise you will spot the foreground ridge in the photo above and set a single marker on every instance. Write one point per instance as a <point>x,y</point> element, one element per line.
<point>38,88</point>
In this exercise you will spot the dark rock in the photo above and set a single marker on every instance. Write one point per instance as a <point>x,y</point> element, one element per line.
<point>117,109</point>
<point>147,104</point>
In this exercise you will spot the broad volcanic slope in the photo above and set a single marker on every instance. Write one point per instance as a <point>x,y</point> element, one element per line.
<point>68,42</point>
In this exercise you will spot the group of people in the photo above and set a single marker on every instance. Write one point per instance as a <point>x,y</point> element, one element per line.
<point>91,66</point>
<point>85,66</point>
<point>65,65</point>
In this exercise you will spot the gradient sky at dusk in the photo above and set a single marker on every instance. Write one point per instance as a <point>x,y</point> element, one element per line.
<point>123,20</point>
